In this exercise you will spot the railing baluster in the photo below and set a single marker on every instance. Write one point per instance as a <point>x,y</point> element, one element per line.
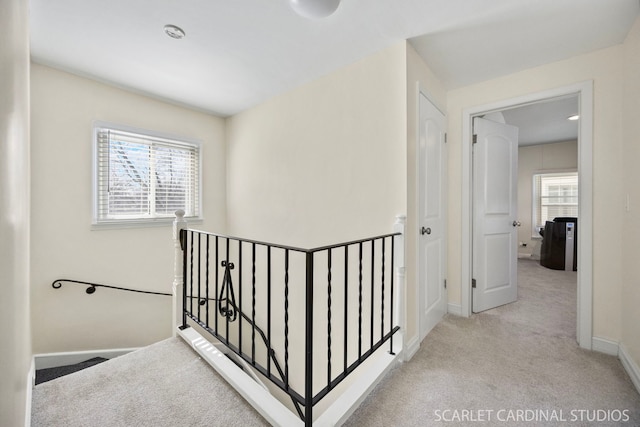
<point>217,295</point>
<point>346,305</point>
<point>240,295</point>
<point>373,247</point>
<point>207,282</point>
<point>382,295</point>
<point>253,304</point>
<point>360,301</point>
<point>226,288</point>
<point>185,236</point>
<point>191,284</point>
<point>268,310</point>
<point>199,272</point>
<point>329,317</point>
<point>286,318</point>
<point>308,363</point>
<point>393,273</point>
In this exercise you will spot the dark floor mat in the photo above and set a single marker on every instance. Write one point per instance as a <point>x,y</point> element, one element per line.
<point>48,374</point>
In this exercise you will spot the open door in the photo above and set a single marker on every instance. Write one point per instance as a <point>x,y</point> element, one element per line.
<point>495,222</point>
<point>431,212</point>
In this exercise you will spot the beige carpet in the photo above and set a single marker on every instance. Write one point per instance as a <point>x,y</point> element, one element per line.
<point>163,385</point>
<point>519,357</point>
<point>518,364</point>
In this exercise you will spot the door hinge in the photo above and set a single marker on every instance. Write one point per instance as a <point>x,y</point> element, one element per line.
<point>445,137</point>
<point>473,283</point>
<point>475,139</point>
<point>445,283</point>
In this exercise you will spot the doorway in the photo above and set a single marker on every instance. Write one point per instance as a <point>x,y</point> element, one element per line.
<point>584,92</point>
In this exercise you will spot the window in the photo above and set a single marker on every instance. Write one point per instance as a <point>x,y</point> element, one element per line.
<point>141,177</point>
<point>554,195</point>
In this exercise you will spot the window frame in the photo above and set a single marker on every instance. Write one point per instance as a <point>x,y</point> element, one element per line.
<point>97,223</point>
<point>535,196</point>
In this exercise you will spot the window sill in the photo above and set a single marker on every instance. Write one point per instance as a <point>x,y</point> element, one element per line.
<point>140,223</point>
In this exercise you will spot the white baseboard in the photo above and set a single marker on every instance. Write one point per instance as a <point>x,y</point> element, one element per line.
<point>630,366</point>
<point>605,346</point>
<point>31,382</point>
<point>455,309</point>
<point>411,348</point>
<point>52,360</point>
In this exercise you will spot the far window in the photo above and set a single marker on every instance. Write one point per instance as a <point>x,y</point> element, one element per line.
<point>141,177</point>
<point>554,195</point>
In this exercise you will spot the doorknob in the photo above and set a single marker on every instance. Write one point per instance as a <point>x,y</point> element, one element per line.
<point>424,231</point>
<point>516,223</point>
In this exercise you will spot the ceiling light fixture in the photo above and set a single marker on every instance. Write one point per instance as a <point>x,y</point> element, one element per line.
<point>314,9</point>
<point>574,117</point>
<point>174,31</point>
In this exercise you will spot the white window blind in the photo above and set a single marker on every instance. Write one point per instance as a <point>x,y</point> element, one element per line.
<point>554,195</point>
<point>144,177</point>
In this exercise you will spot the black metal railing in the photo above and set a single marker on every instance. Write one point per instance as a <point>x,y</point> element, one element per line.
<point>324,310</point>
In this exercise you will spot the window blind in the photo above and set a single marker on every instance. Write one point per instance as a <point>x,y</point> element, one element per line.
<point>554,195</point>
<point>144,177</point>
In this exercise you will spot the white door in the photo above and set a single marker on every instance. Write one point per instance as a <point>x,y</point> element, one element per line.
<point>495,222</point>
<point>431,212</point>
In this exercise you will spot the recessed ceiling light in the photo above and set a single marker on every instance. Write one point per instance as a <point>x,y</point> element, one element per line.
<point>574,117</point>
<point>174,32</point>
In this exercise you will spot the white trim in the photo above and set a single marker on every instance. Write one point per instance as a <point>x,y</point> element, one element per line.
<point>263,402</point>
<point>52,360</point>
<point>455,309</point>
<point>605,346</point>
<point>31,382</point>
<point>350,400</point>
<point>629,365</point>
<point>585,168</point>
<point>412,348</point>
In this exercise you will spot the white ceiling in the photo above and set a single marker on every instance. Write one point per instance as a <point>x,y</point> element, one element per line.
<point>545,122</point>
<point>238,53</point>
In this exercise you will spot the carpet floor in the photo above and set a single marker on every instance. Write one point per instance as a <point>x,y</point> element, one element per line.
<point>515,365</point>
<point>518,364</point>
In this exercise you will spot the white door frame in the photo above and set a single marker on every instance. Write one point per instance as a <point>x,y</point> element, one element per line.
<point>585,172</point>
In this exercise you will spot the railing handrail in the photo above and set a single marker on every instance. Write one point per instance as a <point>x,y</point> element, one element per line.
<point>295,248</point>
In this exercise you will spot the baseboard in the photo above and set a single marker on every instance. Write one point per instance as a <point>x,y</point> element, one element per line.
<point>52,360</point>
<point>630,366</point>
<point>31,381</point>
<point>455,309</point>
<point>411,348</point>
<point>605,346</point>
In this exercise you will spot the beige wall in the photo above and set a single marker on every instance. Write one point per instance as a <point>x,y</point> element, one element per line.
<point>631,218</point>
<point>15,334</point>
<point>323,163</point>
<point>534,159</point>
<point>604,67</point>
<point>63,243</point>
<point>419,77</point>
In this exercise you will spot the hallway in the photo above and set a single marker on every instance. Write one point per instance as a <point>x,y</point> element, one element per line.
<point>518,364</point>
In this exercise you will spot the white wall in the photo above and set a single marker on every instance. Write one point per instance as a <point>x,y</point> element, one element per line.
<point>604,67</point>
<point>15,334</point>
<point>631,219</point>
<point>63,243</point>
<point>323,163</point>
<point>536,159</point>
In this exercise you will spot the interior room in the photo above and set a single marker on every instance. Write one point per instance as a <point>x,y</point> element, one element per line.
<point>149,146</point>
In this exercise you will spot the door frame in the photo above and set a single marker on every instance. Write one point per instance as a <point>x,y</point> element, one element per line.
<point>584,90</point>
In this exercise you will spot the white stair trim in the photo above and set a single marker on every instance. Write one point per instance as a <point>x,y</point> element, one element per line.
<point>266,404</point>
